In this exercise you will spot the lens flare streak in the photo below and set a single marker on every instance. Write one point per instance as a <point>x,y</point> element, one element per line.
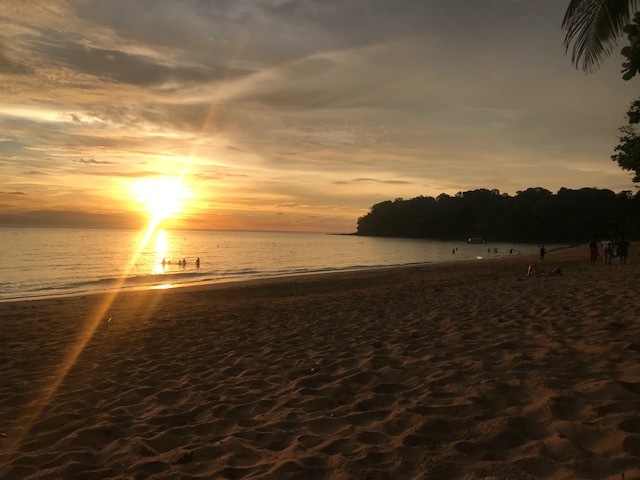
<point>34,412</point>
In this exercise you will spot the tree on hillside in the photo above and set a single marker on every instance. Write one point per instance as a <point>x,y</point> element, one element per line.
<point>533,215</point>
<point>628,151</point>
<point>594,27</point>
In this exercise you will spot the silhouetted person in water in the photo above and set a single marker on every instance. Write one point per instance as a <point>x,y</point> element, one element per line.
<point>198,262</point>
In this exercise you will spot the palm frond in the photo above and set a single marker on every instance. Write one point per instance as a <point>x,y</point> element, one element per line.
<point>594,26</point>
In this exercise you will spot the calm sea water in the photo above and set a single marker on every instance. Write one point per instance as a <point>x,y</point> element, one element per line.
<point>39,262</point>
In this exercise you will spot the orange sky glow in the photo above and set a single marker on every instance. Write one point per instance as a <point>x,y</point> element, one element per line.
<point>290,116</point>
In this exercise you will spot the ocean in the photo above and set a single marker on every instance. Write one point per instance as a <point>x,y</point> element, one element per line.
<point>49,262</point>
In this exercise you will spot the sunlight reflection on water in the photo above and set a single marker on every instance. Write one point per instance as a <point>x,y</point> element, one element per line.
<point>51,261</point>
<point>161,251</point>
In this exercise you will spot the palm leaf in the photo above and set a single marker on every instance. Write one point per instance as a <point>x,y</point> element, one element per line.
<point>594,27</point>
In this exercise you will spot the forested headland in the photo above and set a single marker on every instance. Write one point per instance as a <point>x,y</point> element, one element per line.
<point>535,215</point>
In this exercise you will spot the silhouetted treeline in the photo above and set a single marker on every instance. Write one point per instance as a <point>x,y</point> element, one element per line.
<point>535,215</point>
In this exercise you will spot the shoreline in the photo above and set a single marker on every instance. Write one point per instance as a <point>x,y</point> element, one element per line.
<point>443,370</point>
<point>234,280</point>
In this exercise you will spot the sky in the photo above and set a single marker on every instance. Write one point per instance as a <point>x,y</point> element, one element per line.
<point>291,115</point>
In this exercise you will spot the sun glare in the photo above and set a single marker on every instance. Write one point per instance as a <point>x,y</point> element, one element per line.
<point>161,197</point>
<point>161,251</point>
<point>161,244</point>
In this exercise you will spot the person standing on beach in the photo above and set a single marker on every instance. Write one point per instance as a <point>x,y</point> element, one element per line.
<point>607,251</point>
<point>623,250</point>
<point>542,252</point>
<point>593,252</point>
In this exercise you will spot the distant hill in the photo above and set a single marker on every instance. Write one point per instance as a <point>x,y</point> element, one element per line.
<point>534,215</point>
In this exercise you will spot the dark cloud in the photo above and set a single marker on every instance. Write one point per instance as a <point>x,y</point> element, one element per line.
<point>93,161</point>
<point>9,66</point>
<point>73,218</point>
<point>121,66</point>
<point>372,180</point>
<point>361,22</point>
<point>89,140</point>
<point>289,205</point>
<point>144,174</point>
<point>4,192</point>
<point>276,30</point>
<point>160,22</point>
<point>219,175</point>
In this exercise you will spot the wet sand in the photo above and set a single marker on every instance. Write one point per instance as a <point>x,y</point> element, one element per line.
<point>458,371</point>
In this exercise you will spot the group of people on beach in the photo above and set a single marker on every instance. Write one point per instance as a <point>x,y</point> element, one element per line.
<point>610,248</point>
<point>182,263</point>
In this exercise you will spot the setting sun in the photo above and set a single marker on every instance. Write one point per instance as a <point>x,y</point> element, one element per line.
<point>161,197</point>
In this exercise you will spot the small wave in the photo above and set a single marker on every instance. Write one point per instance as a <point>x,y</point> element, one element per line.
<point>138,280</point>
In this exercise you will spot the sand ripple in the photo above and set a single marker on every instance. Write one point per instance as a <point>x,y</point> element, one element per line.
<point>464,371</point>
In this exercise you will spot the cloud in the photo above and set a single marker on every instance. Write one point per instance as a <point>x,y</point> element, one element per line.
<point>154,117</point>
<point>125,174</point>
<point>372,180</point>
<point>93,161</point>
<point>12,67</point>
<point>299,106</point>
<point>4,192</point>
<point>347,79</point>
<point>122,66</point>
<point>73,218</point>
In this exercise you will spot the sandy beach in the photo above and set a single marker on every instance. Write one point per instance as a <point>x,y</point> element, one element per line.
<point>466,370</point>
